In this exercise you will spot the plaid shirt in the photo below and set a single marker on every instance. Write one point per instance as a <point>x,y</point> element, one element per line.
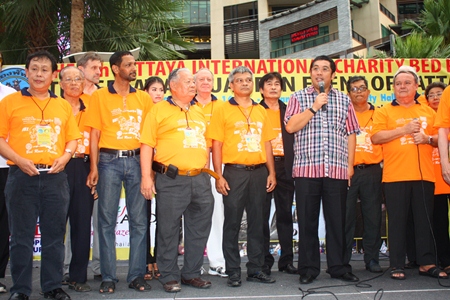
<point>321,147</point>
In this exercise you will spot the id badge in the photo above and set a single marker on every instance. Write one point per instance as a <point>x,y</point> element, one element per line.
<point>361,138</point>
<point>252,141</point>
<point>190,138</point>
<point>44,135</point>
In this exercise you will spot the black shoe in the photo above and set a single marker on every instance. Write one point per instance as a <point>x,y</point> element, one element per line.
<point>18,296</point>
<point>58,294</point>
<point>374,267</point>
<point>260,277</point>
<point>234,280</point>
<point>306,279</point>
<point>266,269</point>
<point>349,277</point>
<point>289,268</point>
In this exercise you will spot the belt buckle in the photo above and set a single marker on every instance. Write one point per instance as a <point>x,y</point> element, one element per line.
<point>360,167</point>
<point>250,168</point>
<point>123,153</point>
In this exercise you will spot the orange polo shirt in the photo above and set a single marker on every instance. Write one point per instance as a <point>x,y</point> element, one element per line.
<point>401,155</point>
<point>277,143</point>
<point>177,136</point>
<point>366,152</point>
<point>443,112</point>
<point>120,119</point>
<point>35,129</point>
<point>243,132</point>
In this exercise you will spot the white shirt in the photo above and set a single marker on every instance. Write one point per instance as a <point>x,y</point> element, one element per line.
<point>4,91</point>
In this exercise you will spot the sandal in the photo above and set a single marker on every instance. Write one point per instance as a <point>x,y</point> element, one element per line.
<point>156,273</point>
<point>434,272</point>
<point>148,275</point>
<point>79,287</point>
<point>139,284</point>
<point>398,274</point>
<point>107,287</point>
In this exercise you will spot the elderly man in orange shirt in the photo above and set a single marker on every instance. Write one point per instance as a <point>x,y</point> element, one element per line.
<point>173,143</point>
<point>404,128</point>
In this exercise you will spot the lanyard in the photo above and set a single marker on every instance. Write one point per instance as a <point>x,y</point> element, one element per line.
<point>41,109</point>
<point>248,118</point>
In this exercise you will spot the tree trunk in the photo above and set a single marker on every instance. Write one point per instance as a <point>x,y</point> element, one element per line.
<point>77,26</point>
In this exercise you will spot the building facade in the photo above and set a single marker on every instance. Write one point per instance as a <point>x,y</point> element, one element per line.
<point>227,29</point>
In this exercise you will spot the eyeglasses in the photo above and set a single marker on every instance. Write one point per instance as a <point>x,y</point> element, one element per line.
<point>70,80</point>
<point>434,96</point>
<point>241,80</point>
<point>361,89</point>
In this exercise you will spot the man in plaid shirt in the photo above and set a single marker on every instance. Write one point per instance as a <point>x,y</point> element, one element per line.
<point>325,127</point>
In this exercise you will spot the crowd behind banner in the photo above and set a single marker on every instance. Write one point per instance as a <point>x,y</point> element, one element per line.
<point>295,72</point>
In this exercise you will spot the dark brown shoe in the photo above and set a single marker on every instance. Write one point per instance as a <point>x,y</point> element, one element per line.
<point>197,282</point>
<point>172,286</point>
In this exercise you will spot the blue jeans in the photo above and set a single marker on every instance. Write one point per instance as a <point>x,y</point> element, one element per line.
<point>112,172</point>
<point>28,197</point>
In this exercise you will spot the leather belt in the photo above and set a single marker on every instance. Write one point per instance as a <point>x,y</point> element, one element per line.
<point>85,157</point>
<point>364,166</point>
<point>42,166</point>
<point>246,167</point>
<point>278,158</point>
<point>122,153</point>
<point>161,168</point>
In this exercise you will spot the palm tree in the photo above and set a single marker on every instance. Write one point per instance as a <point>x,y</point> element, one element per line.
<point>65,27</point>
<point>434,20</point>
<point>417,45</point>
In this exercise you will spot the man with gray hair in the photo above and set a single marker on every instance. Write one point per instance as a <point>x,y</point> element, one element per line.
<point>173,143</point>
<point>90,64</point>
<point>241,136</point>
<point>77,169</point>
<point>405,130</point>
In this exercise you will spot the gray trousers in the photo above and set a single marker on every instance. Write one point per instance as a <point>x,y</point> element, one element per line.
<point>192,198</point>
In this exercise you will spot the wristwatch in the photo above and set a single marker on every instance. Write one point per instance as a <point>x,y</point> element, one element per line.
<point>430,139</point>
<point>312,110</point>
<point>68,151</point>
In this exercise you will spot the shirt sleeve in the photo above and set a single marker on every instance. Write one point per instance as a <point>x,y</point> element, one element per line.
<point>352,121</point>
<point>293,108</point>
<point>443,112</point>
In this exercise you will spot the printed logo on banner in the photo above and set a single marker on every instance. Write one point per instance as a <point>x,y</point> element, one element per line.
<point>37,241</point>
<point>14,77</point>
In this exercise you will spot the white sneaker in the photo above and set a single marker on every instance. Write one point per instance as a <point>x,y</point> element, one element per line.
<point>217,271</point>
<point>2,288</point>
<point>202,270</point>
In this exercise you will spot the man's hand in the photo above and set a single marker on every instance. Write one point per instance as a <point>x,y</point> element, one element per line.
<point>271,183</point>
<point>27,166</point>
<point>92,178</point>
<point>320,101</point>
<point>420,138</point>
<point>148,187</point>
<point>222,186</point>
<point>350,172</point>
<point>412,127</point>
<point>60,163</point>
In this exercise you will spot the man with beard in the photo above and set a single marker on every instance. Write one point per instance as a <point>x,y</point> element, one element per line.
<point>116,117</point>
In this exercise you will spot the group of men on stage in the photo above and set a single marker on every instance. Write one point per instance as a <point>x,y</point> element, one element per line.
<point>324,146</point>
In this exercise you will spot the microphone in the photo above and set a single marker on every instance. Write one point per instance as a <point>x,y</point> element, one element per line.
<point>322,90</point>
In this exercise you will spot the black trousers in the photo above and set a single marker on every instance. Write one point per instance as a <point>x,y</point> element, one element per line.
<point>4,228</point>
<point>80,211</point>
<point>366,186</point>
<point>402,198</point>
<point>284,196</point>
<point>441,235</point>
<point>309,192</point>
<point>247,191</point>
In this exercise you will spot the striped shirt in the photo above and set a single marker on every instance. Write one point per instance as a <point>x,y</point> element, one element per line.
<point>321,147</point>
